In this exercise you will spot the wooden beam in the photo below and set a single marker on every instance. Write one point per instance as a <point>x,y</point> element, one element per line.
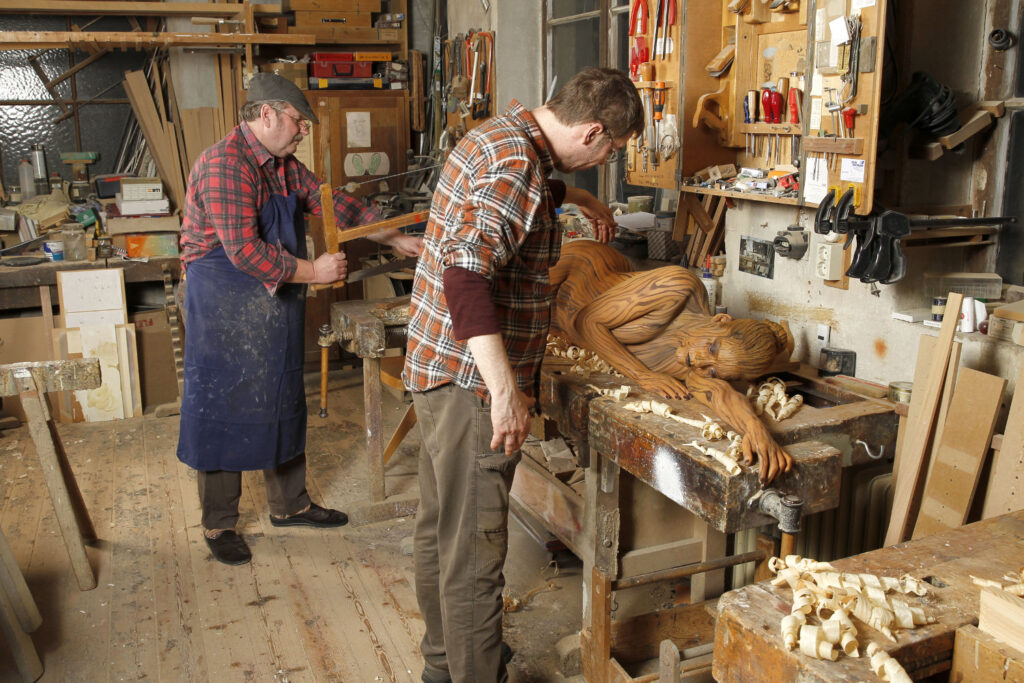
<point>133,40</point>
<point>386,224</point>
<point>88,8</point>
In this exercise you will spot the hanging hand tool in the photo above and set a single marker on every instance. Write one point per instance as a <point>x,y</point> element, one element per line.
<point>650,149</point>
<point>750,104</point>
<point>638,19</point>
<point>657,26</point>
<point>777,118</point>
<point>766,115</point>
<point>670,20</point>
<point>849,113</point>
<point>746,119</point>
<point>795,104</point>
<point>659,108</point>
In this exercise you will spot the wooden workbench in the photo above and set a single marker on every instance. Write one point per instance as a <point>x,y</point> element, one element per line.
<point>653,504</point>
<point>19,287</point>
<point>748,642</point>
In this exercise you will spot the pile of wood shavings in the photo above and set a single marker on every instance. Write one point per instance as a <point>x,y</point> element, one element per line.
<point>771,399</point>
<point>709,429</point>
<point>584,362</point>
<point>835,597</point>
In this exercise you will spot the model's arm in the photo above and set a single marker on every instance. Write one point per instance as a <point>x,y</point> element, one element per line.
<point>735,409</point>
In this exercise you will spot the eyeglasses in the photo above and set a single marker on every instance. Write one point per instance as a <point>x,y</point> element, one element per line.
<point>305,125</point>
<point>614,153</point>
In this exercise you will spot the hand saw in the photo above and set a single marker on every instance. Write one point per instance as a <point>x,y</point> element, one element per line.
<point>332,237</point>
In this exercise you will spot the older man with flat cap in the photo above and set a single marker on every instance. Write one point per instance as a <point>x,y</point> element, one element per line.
<point>243,253</point>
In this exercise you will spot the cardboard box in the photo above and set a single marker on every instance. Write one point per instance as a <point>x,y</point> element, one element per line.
<point>156,358</point>
<point>331,5</point>
<point>296,72</point>
<point>333,18</point>
<point>22,340</point>
<point>119,225</point>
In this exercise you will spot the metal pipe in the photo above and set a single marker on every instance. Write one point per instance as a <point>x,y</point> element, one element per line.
<point>683,572</point>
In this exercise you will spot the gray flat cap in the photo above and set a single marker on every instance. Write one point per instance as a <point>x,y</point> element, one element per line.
<point>267,86</point>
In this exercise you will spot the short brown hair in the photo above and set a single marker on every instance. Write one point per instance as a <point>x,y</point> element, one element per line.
<point>603,95</point>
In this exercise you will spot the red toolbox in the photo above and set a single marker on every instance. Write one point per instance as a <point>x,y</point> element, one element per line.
<point>338,65</point>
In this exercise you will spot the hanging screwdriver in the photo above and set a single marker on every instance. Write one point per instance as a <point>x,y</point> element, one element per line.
<point>658,95</point>
<point>795,105</point>
<point>746,119</point>
<point>776,98</point>
<point>766,115</point>
<point>750,105</point>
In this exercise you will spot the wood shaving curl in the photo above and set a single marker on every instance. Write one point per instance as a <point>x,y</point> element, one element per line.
<point>585,362</point>
<point>833,597</point>
<point>771,399</point>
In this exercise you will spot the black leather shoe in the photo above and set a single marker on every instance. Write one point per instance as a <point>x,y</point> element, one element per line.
<point>314,516</point>
<point>229,548</point>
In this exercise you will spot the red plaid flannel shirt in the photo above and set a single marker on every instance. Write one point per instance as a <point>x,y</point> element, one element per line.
<point>492,214</point>
<point>229,184</point>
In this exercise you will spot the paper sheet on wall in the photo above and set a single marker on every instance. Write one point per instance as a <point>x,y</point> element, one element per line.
<point>817,84</point>
<point>852,170</point>
<point>357,129</point>
<point>839,30</point>
<point>820,20</point>
<point>857,5</point>
<point>815,122</point>
<point>815,180</point>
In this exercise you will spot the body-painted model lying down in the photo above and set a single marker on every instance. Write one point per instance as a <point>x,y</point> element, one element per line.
<point>655,327</point>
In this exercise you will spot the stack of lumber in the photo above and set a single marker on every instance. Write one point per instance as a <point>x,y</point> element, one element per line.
<point>945,439</point>
<point>700,226</point>
<point>175,137</point>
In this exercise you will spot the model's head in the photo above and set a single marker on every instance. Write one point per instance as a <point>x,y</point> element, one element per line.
<point>605,96</point>
<point>731,349</point>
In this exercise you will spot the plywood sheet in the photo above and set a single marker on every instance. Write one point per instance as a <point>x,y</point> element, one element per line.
<point>1006,481</point>
<point>965,440</point>
<point>104,403</point>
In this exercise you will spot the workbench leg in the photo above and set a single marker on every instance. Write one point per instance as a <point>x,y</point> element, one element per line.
<point>709,585</point>
<point>598,648</point>
<point>60,480</point>
<point>403,429</point>
<point>374,437</point>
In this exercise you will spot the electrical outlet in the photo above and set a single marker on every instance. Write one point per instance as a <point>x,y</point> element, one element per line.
<point>824,334</point>
<point>828,263</point>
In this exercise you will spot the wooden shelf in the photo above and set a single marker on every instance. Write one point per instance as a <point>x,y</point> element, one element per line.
<point>138,40</point>
<point>789,201</point>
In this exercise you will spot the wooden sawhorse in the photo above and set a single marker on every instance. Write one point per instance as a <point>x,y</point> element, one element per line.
<point>30,381</point>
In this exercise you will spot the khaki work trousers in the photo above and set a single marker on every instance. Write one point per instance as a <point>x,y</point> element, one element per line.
<point>220,491</point>
<point>461,537</point>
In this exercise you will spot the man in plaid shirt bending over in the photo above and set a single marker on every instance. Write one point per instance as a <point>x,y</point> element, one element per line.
<point>480,313</point>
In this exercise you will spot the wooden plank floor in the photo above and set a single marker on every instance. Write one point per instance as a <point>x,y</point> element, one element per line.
<point>334,605</point>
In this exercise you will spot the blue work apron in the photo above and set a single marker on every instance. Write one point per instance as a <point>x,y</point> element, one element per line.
<point>244,405</point>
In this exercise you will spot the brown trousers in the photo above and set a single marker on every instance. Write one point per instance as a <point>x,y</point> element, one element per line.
<point>461,536</point>
<point>220,490</point>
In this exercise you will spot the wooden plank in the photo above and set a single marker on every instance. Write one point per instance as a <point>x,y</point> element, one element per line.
<point>182,655</point>
<point>1002,615</point>
<point>1005,492</point>
<point>983,658</point>
<point>948,387</point>
<point>924,355</point>
<point>921,429</point>
<point>953,479</point>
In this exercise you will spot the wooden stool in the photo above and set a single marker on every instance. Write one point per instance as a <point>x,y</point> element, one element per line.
<point>30,381</point>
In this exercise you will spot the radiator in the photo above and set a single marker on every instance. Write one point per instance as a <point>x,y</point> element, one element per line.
<point>856,526</point>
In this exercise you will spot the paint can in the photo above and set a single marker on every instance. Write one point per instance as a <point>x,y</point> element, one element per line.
<point>938,307</point>
<point>54,250</point>
<point>640,202</point>
<point>900,392</point>
<point>835,361</point>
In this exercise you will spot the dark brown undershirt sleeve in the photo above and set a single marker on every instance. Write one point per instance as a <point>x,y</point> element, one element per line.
<point>557,189</point>
<point>469,301</point>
